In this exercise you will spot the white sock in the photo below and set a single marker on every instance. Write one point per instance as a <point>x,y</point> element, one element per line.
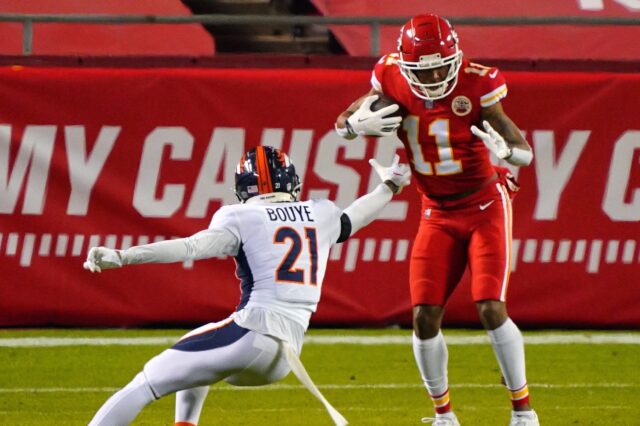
<point>124,405</point>
<point>508,347</point>
<point>528,414</point>
<point>431,357</point>
<point>189,404</point>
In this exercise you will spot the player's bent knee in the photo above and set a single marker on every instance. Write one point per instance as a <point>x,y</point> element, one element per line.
<point>492,313</point>
<point>141,381</point>
<point>427,320</point>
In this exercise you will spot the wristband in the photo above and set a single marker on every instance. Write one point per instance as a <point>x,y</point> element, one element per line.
<point>122,255</point>
<point>519,157</point>
<point>349,128</point>
<point>392,186</point>
<point>345,131</point>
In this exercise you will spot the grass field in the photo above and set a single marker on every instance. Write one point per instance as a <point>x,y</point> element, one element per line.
<point>61,377</point>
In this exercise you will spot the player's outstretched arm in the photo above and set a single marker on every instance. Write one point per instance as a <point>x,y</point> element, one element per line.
<point>502,137</point>
<point>367,208</point>
<point>203,245</point>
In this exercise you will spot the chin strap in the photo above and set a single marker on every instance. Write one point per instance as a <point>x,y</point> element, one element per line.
<point>303,376</point>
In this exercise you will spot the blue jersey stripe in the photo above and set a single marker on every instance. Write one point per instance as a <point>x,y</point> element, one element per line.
<point>216,338</point>
<point>243,272</point>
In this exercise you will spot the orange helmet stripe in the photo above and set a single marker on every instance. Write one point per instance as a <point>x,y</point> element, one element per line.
<point>241,164</point>
<point>264,177</point>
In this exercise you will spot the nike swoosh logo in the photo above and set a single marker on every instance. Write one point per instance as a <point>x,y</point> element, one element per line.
<point>484,206</point>
<point>493,74</point>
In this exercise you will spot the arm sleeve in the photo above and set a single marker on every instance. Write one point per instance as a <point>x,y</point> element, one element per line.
<point>367,208</point>
<point>203,245</point>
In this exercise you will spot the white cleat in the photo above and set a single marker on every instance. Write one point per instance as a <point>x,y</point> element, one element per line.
<point>524,418</point>
<point>448,419</point>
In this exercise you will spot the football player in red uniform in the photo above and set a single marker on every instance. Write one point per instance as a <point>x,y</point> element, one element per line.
<point>453,120</point>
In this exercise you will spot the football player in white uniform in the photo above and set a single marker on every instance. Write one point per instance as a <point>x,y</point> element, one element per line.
<point>281,247</point>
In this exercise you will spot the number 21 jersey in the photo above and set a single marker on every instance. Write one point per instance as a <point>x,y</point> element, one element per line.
<point>284,249</point>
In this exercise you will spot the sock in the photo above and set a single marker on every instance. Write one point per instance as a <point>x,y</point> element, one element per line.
<point>508,347</point>
<point>431,357</point>
<point>189,405</point>
<point>124,405</point>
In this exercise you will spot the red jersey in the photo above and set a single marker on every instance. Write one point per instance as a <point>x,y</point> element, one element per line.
<point>445,157</point>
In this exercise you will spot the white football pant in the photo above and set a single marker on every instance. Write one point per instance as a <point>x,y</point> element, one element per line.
<point>214,352</point>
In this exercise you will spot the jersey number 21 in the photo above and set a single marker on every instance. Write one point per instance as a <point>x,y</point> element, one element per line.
<point>300,252</point>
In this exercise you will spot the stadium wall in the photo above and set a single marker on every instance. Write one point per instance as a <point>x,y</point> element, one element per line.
<point>119,155</point>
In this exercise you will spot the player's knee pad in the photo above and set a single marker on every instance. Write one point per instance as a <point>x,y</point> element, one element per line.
<point>140,381</point>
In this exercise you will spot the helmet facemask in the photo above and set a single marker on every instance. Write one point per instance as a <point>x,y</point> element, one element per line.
<point>428,42</point>
<point>437,90</point>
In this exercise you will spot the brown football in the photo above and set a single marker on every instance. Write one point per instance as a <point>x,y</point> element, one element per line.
<point>384,101</point>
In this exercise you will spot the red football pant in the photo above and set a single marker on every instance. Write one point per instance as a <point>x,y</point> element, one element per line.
<point>477,233</point>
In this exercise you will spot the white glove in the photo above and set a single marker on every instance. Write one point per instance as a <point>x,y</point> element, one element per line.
<point>493,141</point>
<point>396,176</point>
<point>100,258</point>
<point>373,123</point>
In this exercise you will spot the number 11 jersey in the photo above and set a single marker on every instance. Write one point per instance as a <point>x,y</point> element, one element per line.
<point>445,157</point>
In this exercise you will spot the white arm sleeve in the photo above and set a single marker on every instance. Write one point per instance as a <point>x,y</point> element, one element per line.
<point>203,245</point>
<point>367,208</point>
<point>519,157</point>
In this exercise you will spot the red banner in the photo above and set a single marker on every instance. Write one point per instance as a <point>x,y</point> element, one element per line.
<point>121,157</point>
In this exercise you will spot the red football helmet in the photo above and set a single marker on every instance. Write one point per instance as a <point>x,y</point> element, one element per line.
<point>427,42</point>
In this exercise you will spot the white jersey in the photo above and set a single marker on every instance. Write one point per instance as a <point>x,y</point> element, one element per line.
<point>281,261</point>
<point>281,252</point>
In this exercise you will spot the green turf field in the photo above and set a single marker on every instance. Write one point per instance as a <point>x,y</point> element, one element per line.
<point>371,382</point>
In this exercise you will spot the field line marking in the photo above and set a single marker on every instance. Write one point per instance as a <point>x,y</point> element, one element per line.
<point>480,339</point>
<point>280,387</point>
<point>24,342</point>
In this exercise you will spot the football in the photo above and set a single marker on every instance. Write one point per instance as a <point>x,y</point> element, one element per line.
<point>385,101</point>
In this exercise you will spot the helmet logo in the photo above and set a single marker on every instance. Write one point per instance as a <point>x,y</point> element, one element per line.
<point>461,106</point>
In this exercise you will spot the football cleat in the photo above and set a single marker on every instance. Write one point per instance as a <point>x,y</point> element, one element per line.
<point>447,419</point>
<point>524,418</point>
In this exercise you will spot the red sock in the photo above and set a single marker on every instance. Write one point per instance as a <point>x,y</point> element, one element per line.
<point>441,402</point>
<point>519,397</point>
